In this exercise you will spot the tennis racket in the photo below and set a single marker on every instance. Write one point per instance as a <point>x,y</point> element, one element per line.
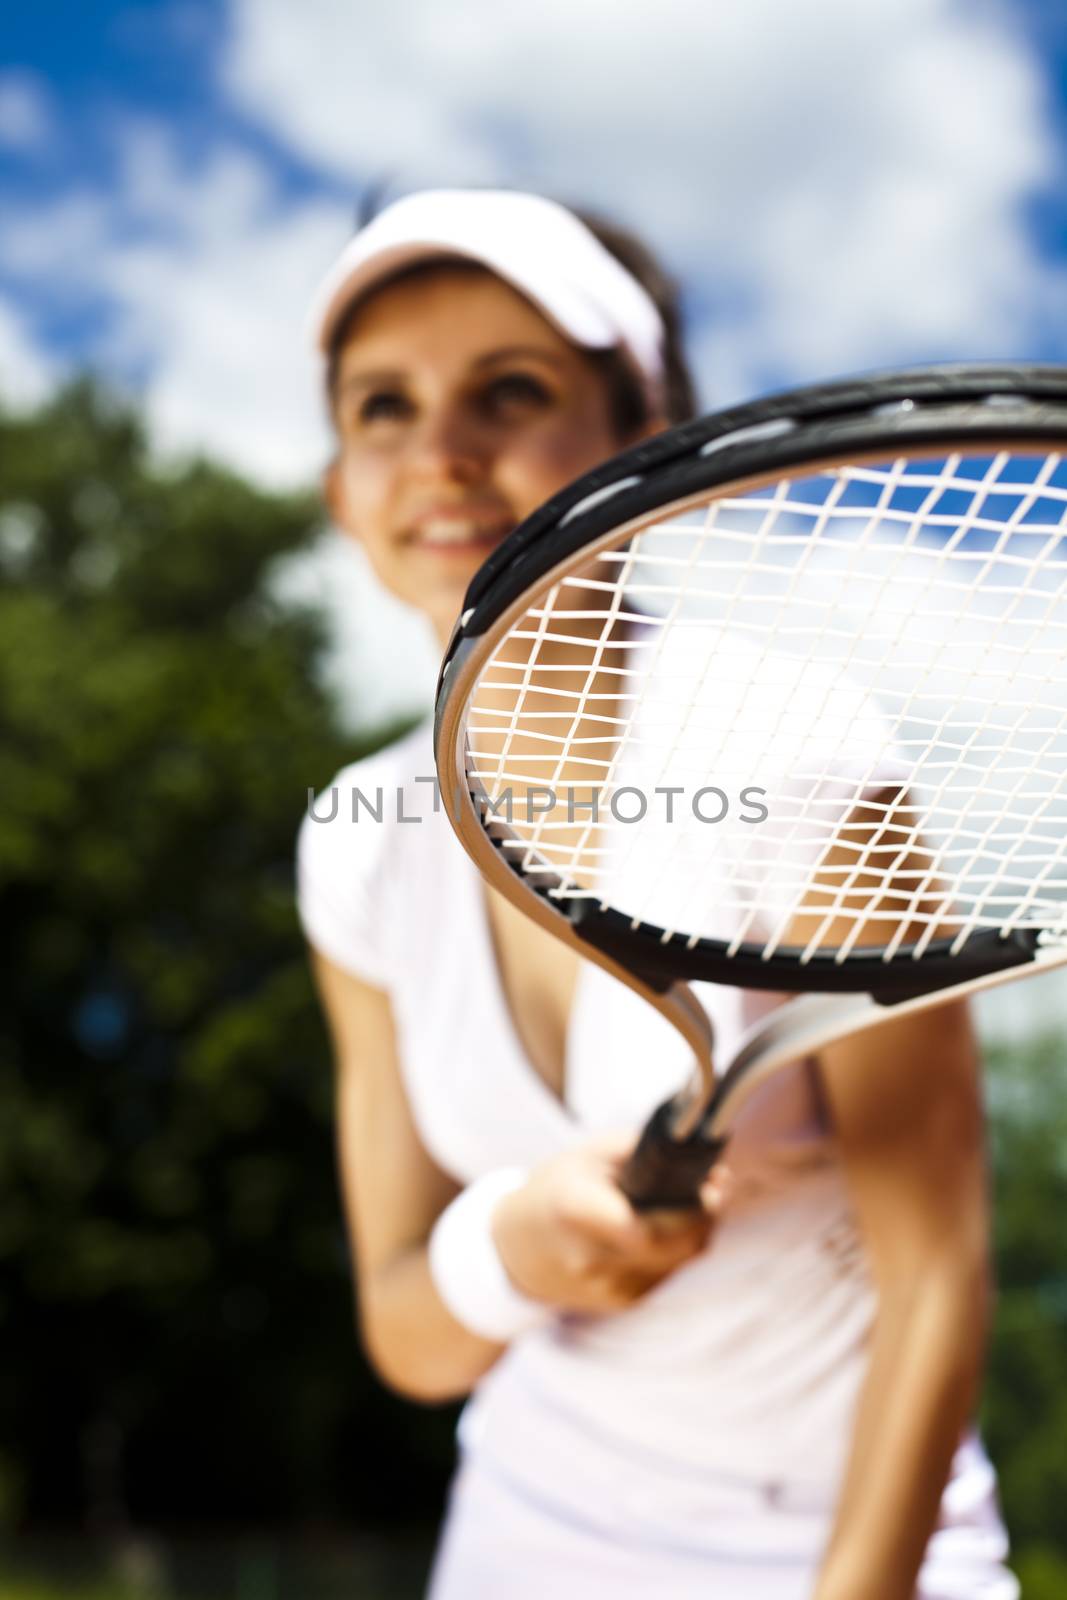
<point>778,699</point>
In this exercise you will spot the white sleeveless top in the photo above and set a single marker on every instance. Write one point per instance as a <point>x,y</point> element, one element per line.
<point>744,1365</point>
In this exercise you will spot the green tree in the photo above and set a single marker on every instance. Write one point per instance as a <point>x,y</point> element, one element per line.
<point>1025,1412</point>
<point>174,1290</point>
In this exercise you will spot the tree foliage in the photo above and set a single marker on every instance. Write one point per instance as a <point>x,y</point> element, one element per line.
<point>174,1292</point>
<point>1025,1410</point>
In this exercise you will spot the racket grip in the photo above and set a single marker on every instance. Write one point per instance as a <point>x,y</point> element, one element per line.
<point>663,1172</point>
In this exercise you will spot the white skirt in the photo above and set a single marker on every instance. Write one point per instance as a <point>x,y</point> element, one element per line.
<point>496,1542</point>
<point>540,1508</point>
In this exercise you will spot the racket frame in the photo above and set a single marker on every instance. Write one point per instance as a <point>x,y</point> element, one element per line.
<point>921,414</point>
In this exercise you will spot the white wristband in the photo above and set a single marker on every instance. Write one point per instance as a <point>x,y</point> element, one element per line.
<point>466,1269</point>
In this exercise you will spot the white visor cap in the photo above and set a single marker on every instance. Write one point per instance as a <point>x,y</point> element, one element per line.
<point>537,246</point>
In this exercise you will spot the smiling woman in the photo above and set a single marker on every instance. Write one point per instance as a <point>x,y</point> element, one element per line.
<point>673,1404</point>
<point>451,365</point>
<point>444,372</point>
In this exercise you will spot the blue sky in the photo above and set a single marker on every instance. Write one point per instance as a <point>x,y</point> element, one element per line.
<point>839,186</point>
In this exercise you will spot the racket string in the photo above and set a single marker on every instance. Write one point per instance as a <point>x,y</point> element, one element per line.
<point>911,615</point>
<point>923,888</point>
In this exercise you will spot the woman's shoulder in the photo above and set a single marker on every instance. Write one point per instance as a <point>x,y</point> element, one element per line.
<point>348,837</point>
<point>367,790</point>
<point>399,761</point>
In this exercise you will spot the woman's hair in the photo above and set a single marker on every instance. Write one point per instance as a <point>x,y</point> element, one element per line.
<point>630,406</point>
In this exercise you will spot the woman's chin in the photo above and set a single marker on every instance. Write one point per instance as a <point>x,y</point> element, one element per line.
<point>450,567</point>
<point>434,577</point>
<point>440,594</point>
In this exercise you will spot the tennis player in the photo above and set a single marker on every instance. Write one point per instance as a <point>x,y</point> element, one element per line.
<point>767,1399</point>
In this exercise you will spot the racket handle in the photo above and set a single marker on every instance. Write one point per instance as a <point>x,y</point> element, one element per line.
<point>665,1173</point>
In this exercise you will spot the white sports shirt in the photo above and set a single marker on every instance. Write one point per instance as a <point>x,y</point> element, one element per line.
<point>711,1419</point>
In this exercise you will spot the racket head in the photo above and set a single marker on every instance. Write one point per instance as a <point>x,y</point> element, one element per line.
<point>932,473</point>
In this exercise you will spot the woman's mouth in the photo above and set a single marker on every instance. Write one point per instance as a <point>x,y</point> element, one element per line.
<point>458,535</point>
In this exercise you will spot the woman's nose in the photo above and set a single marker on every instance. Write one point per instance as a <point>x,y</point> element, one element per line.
<point>449,443</point>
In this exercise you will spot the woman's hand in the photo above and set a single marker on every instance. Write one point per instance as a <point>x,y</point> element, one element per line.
<point>570,1237</point>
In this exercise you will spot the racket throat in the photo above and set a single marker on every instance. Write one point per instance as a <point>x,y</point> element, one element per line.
<point>667,1167</point>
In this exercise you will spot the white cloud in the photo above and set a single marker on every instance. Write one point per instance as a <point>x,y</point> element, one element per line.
<point>206,277</point>
<point>25,113</point>
<point>56,243</point>
<point>847,179</point>
<point>216,293</point>
<point>384,657</point>
<point>26,375</point>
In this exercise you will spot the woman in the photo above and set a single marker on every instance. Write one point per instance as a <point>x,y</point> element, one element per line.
<point>765,1398</point>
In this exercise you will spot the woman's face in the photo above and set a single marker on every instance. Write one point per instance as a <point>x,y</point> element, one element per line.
<point>459,409</point>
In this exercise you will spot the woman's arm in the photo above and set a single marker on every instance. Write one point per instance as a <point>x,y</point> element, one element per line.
<point>393,1193</point>
<point>567,1237</point>
<point>906,1102</point>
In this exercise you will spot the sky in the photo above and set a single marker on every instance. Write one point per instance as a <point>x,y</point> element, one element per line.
<point>838,186</point>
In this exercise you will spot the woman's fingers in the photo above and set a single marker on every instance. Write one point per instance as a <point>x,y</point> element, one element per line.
<point>716,1190</point>
<point>571,1237</point>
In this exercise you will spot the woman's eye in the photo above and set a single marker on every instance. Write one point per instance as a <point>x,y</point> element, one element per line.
<point>383,406</point>
<point>517,389</point>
